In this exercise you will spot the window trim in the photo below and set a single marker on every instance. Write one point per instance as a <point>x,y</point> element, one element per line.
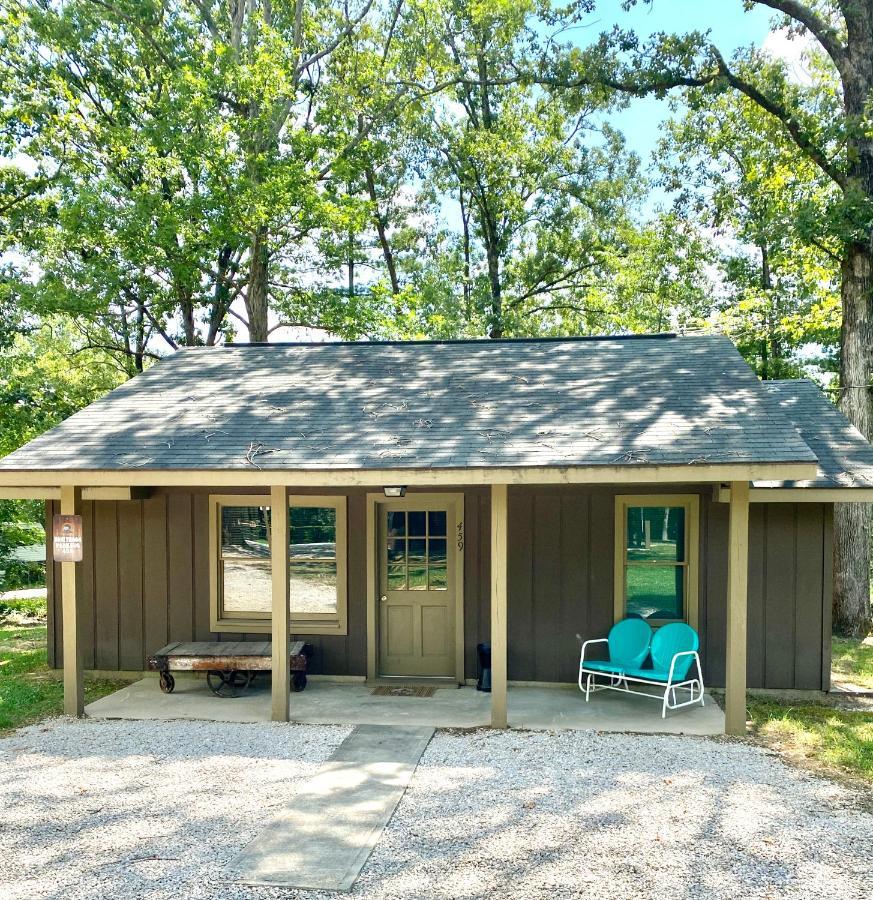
<point>691,504</point>
<point>301,623</point>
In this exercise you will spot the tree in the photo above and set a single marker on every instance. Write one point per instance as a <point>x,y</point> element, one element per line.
<point>180,154</point>
<point>731,168</point>
<point>828,121</point>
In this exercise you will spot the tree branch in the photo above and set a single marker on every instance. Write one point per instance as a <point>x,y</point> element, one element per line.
<point>820,28</point>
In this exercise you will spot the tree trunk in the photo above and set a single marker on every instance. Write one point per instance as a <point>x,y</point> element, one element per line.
<point>852,520</point>
<point>256,297</point>
<point>496,326</point>
<point>382,231</point>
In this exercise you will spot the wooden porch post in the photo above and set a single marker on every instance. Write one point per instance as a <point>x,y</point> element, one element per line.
<point>738,576</point>
<point>499,527</point>
<point>74,686</point>
<point>281,602</point>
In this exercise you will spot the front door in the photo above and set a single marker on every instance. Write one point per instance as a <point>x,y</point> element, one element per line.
<point>416,605</point>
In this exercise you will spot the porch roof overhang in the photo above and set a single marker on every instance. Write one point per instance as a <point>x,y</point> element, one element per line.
<point>117,484</point>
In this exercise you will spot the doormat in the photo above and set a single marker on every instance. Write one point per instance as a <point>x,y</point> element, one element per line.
<point>386,690</point>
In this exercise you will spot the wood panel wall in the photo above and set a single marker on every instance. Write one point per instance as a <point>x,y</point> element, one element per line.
<point>145,581</point>
<point>561,572</point>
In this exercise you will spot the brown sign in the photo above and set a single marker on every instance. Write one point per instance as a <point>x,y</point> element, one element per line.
<point>67,539</point>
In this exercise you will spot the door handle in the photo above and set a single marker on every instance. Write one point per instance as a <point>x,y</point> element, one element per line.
<point>384,598</point>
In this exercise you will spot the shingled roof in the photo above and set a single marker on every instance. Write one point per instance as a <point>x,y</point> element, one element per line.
<point>845,457</point>
<point>634,401</point>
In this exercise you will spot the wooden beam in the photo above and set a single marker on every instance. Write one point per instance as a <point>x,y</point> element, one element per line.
<point>74,683</point>
<point>499,552</point>
<point>811,495</point>
<point>351,477</point>
<point>281,606</point>
<point>30,493</point>
<point>738,576</point>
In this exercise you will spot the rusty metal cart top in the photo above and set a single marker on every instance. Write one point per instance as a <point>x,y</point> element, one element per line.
<point>230,666</point>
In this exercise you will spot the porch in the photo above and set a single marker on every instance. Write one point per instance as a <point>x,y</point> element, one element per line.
<point>330,703</point>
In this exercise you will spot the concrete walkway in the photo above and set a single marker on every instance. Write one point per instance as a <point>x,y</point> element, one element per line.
<point>331,825</point>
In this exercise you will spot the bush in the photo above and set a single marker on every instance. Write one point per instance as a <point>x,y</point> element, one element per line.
<point>35,607</point>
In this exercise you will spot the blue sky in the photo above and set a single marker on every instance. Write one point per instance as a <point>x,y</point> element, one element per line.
<point>731,28</point>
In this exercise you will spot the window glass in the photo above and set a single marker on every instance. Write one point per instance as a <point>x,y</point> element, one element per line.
<point>417,562</point>
<point>655,562</point>
<point>655,592</point>
<point>312,559</point>
<point>656,533</point>
<point>245,559</point>
<point>436,523</point>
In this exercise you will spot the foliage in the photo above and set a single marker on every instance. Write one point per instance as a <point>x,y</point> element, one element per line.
<point>29,690</point>
<point>733,170</point>
<point>31,607</point>
<point>45,377</point>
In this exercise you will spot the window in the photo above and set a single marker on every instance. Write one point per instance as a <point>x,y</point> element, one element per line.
<point>656,557</point>
<point>416,550</point>
<point>241,544</point>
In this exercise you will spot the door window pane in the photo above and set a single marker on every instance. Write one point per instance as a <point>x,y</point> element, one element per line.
<point>437,551</point>
<point>417,551</point>
<point>655,534</point>
<point>417,524</point>
<point>396,524</point>
<point>417,578</point>
<point>436,523</point>
<point>655,592</point>
<point>396,578</point>
<point>437,580</point>
<point>417,562</point>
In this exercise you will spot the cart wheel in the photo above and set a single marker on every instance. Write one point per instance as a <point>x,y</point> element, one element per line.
<point>298,681</point>
<point>228,684</point>
<point>167,682</point>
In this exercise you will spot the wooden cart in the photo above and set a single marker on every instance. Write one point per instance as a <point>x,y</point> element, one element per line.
<point>230,666</point>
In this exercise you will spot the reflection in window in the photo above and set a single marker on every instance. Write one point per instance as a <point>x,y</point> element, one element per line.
<point>416,551</point>
<point>245,559</point>
<point>655,562</point>
<point>312,559</point>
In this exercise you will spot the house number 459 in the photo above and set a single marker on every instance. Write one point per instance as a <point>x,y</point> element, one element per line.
<point>460,535</point>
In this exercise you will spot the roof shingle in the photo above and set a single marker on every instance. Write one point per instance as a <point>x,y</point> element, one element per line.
<point>658,400</point>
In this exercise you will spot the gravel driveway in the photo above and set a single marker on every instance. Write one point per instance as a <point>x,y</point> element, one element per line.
<point>153,810</point>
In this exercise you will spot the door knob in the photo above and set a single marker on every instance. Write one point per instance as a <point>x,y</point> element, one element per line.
<point>384,598</point>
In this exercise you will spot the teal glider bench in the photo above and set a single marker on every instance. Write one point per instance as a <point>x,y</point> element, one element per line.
<point>638,654</point>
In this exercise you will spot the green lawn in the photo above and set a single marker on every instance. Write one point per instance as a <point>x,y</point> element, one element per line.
<point>853,661</point>
<point>29,690</point>
<point>821,736</point>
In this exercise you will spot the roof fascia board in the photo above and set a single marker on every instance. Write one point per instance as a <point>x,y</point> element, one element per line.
<point>88,493</point>
<point>810,495</point>
<point>410,477</point>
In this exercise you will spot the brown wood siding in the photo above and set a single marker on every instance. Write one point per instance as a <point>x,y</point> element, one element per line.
<point>145,581</point>
<point>561,573</point>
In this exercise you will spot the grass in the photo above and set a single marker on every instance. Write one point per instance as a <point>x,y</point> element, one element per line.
<point>29,689</point>
<point>852,661</point>
<point>836,740</point>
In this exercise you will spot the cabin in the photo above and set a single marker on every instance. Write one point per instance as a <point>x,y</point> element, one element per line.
<point>394,504</point>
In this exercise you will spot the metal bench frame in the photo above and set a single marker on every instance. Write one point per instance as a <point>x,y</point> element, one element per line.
<point>618,681</point>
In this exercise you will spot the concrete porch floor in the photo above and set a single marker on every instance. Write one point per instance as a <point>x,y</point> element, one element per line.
<point>327,703</point>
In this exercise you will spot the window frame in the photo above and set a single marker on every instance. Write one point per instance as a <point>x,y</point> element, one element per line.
<point>260,622</point>
<point>691,566</point>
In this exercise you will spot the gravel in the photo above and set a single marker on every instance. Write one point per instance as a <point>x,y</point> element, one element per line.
<point>154,810</point>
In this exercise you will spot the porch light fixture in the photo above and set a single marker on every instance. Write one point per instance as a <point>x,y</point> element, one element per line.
<point>396,491</point>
